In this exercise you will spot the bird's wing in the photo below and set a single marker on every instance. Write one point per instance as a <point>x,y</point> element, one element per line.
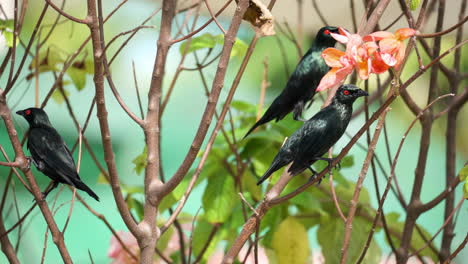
<point>49,146</point>
<point>317,136</point>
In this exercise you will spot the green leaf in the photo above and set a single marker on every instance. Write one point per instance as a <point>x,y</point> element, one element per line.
<point>271,222</point>
<point>50,59</point>
<point>200,236</point>
<point>250,183</point>
<point>206,40</point>
<point>243,106</point>
<point>465,189</point>
<point>219,199</point>
<point>163,241</point>
<point>291,243</point>
<point>347,161</point>
<point>239,49</point>
<point>136,205</point>
<point>175,195</point>
<point>413,4</point>
<point>9,38</point>
<point>463,173</point>
<point>330,236</point>
<point>140,161</point>
<point>7,24</point>
<point>89,66</point>
<point>58,97</point>
<point>78,77</point>
<point>101,179</point>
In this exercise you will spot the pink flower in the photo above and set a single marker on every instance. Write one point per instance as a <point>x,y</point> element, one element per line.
<point>392,48</point>
<point>364,55</point>
<point>118,253</point>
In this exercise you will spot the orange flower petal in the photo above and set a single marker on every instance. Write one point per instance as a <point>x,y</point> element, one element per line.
<point>371,47</point>
<point>379,35</point>
<point>363,69</point>
<point>344,32</point>
<point>399,57</point>
<point>389,45</point>
<point>334,77</point>
<point>404,33</point>
<point>332,57</point>
<point>389,59</point>
<point>340,38</point>
<point>378,65</point>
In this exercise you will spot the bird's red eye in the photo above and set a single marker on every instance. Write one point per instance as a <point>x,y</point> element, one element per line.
<point>28,112</point>
<point>346,92</point>
<point>326,32</point>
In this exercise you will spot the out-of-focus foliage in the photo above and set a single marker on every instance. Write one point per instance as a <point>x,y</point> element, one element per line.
<point>464,179</point>
<point>6,29</point>
<point>209,41</point>
<point>413,4</point>
<point>51,61</point>
<point>284,228</point>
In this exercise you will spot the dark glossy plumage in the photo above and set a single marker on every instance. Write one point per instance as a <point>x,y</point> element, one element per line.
<point>311,141</point>
<point>303,82</point>
<point>49,152</point>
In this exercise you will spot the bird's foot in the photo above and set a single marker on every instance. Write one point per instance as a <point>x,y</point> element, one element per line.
<point>314,175</point>
<point>298,118</point>
<point>29,160</point>
<point>330,161</point>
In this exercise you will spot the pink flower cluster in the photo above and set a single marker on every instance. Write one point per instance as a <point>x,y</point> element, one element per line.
<point>374,53</point>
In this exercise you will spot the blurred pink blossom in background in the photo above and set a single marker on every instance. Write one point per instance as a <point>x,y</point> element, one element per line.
<point>118,253</point>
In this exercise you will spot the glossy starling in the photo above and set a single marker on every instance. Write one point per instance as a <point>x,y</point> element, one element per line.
<point>49,152</point>
<point>318,134</point>
<point>303,82</point>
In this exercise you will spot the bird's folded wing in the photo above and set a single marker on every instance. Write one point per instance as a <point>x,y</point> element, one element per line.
<point>51,149</point>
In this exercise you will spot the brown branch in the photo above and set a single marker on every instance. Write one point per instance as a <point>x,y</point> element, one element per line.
<point>362,176</point>
<point>392,176</point>
<point>447,221</point>
<point>218,82</point>
<point>203,26</point>
<point>213,134</point>
<point>109,226</point>
<point>103,122</point>
<point>68,16</point>
<point>458,250</point>
<point>10,164</point>
<point>438,34</point>
<point>214,17</point>
<point>319,13</point>
<point>332,190</point>
<point>7,247</point>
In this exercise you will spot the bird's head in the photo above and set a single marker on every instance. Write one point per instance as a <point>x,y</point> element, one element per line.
<point>324,37</point>
<point>348,93</point>
<point>35,117</point>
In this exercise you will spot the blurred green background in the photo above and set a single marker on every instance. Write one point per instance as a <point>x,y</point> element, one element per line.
<point>181,119</point>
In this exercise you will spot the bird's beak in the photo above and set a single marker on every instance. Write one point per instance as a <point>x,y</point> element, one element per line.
<point>362,93</point>
<point>20,112</point>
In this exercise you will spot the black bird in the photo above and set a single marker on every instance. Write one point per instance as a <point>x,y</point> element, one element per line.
<point>303,82</point>
<point>49,152</point>
<point>317,135</point>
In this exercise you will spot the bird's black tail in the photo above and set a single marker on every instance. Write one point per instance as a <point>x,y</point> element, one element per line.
<point>267,117</point>
<point>80,185</point>
<point>274,167</point>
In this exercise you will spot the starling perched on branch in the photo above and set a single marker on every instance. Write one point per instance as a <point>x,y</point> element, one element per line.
<point>318,134</point>
<point>302,84</point>
<point>49,152</point>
